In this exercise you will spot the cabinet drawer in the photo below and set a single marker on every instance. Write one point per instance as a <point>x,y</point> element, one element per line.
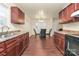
<point>11,44</point>
<point>3,53</point>
<point>11,51</point>
<point>2,46</point>
<point>9,41</point>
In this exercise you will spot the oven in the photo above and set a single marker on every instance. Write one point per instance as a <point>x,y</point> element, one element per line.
<point>71,46</point>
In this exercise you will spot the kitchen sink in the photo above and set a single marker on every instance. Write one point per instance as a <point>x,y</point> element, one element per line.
<point>7,35</point>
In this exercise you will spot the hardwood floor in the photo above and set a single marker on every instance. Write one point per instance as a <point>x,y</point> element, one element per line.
<point>41,47</point>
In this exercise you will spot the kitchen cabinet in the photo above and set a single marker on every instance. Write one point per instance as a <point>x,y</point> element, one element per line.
<point>20,44</point>
<point>59,40</point>
<point>2,49</point>
<point>70,10</point>
<point>26,41</point>
<point>65,14</point>
<point>76,6</point>
<point>20,47</point>
<point>11,51</point>
<point>17,16</point>
<point>14,46</point>
<point>61,16</point>
<point>11,47</point>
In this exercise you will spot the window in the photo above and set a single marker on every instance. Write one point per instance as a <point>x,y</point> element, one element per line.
<point>3,14</point>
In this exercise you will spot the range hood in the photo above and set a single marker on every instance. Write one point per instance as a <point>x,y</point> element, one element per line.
<point>75,14</point>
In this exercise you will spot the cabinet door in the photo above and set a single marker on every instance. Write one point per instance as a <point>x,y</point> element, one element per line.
<point>56,40</point>
<point>20,47</point>
<point>17,16</point>
<point>59,42</point>
<point>2,49</point>
<point>60,16</point>
<point>76,6</point>
<point>65,15</point>
<point>25,40</point>
<point>11,47</point>
<point>14,15</point>
<point>70,10</point>
<point>11,51</point>
<point>62,44</point>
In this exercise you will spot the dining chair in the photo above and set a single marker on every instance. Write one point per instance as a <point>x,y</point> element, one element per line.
<point>49,32</point>
<point>43,33</point>
<point>35,32</point>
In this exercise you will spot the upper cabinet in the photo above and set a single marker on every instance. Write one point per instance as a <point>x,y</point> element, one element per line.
<point>76,6</point>
<point>17,16</point>
<point>66,13</point>
<point>70,10</point>
<point>63,16</point>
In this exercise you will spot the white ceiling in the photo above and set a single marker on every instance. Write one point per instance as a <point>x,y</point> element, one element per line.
<point>50,9</point>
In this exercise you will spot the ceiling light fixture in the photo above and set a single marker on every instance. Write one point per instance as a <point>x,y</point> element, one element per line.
<point>40,15</point>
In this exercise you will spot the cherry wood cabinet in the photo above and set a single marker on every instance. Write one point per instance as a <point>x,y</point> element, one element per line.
<point>14,46</point>
<point>2,49</point>
<point>11,47</point>
<point>65,14</point>
<point>70,10</point>
<point>59,40</point>
<point>61,16</point>
<point>17,16</point>
<point>11,51</point>
<point>76,6</point>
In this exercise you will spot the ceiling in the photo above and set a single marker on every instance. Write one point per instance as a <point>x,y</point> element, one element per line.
<point>50,9</point>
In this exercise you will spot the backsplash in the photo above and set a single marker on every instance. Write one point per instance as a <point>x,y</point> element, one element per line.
<point>71,26</point>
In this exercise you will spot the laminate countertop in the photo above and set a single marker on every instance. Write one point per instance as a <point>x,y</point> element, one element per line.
<point>11,36</point>
<point>75,34</point>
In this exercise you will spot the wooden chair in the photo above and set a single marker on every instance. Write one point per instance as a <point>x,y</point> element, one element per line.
<point>49,32</point>
<point>35,32</point>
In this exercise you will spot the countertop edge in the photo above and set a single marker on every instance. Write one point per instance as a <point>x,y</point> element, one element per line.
<point>5,39</point>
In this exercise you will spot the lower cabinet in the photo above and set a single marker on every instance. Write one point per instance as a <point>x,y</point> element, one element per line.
<point>20,47</point>
<point>2,49</point>
<point>59,40</point>
<point>11,51</point>
<point>14,46</point>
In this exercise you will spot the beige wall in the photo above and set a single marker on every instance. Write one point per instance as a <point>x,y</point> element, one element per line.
<point>55,25</point>
<point>50,23</point>
<point>29,23</point>
<point>23,27</point>
<point>47,21</point>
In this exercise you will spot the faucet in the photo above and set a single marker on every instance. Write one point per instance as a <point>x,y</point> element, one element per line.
<point>6,28</point>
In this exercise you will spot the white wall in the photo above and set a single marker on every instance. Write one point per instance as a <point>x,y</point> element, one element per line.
<point>71,26</point>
